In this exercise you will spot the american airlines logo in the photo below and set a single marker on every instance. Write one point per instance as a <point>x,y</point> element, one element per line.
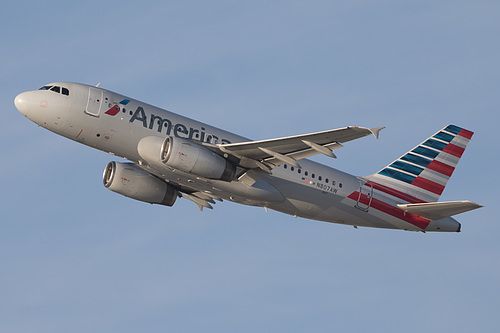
<point>164,125</point>
<point>113,111</point>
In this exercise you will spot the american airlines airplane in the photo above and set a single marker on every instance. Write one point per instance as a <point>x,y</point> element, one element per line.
<point>172,156</point>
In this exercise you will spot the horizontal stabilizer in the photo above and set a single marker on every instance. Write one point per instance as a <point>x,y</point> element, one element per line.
<point>439,210</point>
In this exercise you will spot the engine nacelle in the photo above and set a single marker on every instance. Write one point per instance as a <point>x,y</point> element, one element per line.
<point>130,181</point>
<point>186,156</point>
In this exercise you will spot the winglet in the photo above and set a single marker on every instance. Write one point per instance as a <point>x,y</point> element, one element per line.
<point>376,130</point>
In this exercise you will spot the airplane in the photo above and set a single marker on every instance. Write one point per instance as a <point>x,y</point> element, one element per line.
<point>171,156</point>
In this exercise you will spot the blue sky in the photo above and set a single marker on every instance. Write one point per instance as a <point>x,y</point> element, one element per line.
<point>77,257</point>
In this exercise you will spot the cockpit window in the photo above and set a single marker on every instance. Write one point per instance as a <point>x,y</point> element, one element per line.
<point>56,89</point>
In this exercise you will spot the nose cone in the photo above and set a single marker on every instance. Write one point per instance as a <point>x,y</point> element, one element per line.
<point>23,103</point>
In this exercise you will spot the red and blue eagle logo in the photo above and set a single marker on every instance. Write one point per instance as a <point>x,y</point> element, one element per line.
<point>113,111</point>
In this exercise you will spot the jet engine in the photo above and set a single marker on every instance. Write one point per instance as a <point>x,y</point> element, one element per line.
<point>128,180</point>
<point>186,156</point>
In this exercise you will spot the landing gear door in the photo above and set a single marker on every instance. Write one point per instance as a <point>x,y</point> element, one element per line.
<point>365,197</point>
<point>94,102</point>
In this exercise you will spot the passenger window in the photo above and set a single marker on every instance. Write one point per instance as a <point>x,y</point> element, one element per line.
<point>56,89</point>
<point>340,185</point>
<point>312,175</point>
<point>284,166</point>
<point>306,173</point>
<point>292,168</point>
<point>319,178</point>
<point>299,170</point>
<point>65,91</point>
<point>333,182</point>
<point>326,180</point>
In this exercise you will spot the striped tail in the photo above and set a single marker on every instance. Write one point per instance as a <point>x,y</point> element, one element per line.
<point>422,173</point>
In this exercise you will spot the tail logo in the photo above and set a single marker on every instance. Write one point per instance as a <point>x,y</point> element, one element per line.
<point>429,166</point>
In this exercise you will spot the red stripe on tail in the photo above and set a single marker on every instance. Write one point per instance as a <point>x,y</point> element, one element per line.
<point>395,193</point>
<point>466,134</point>
<point>441,167</point>
<point>453,150</point>
<point>428,185</point>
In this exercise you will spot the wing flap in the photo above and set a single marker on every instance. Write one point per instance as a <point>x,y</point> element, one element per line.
<point>202,200</point>
<point>439,210</point>
<point>298,155</point>
<point>252,176</point>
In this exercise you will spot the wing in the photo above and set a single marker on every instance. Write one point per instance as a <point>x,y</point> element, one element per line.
<point>255,159</point>
<point>266,154</point>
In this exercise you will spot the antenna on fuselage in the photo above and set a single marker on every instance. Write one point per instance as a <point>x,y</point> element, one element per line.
<point>97,85</point>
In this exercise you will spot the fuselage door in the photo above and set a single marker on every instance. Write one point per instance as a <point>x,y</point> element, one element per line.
<point>94,102</point>
<point>365,197</point>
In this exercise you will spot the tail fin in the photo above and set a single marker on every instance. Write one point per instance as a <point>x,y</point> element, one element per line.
<point>421,174</point>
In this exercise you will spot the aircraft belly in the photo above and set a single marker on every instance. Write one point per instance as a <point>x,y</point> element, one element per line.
<point>306,201</point>
<point>353,216</point>
<point>260,194</point>
<point>329,207</point>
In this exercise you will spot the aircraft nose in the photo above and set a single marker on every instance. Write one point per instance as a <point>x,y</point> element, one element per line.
<point>22,103</point>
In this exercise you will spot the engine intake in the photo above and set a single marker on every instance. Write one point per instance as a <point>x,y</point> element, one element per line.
<point>186,156</point>
<point>128,180</point>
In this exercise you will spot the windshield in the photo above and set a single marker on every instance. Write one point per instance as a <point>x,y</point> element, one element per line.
<point>56,89</point>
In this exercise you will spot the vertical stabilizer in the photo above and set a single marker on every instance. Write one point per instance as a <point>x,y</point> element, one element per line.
<point>421,174</point>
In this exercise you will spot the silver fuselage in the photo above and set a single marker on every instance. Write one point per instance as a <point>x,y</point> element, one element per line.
<point>81,116</point>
